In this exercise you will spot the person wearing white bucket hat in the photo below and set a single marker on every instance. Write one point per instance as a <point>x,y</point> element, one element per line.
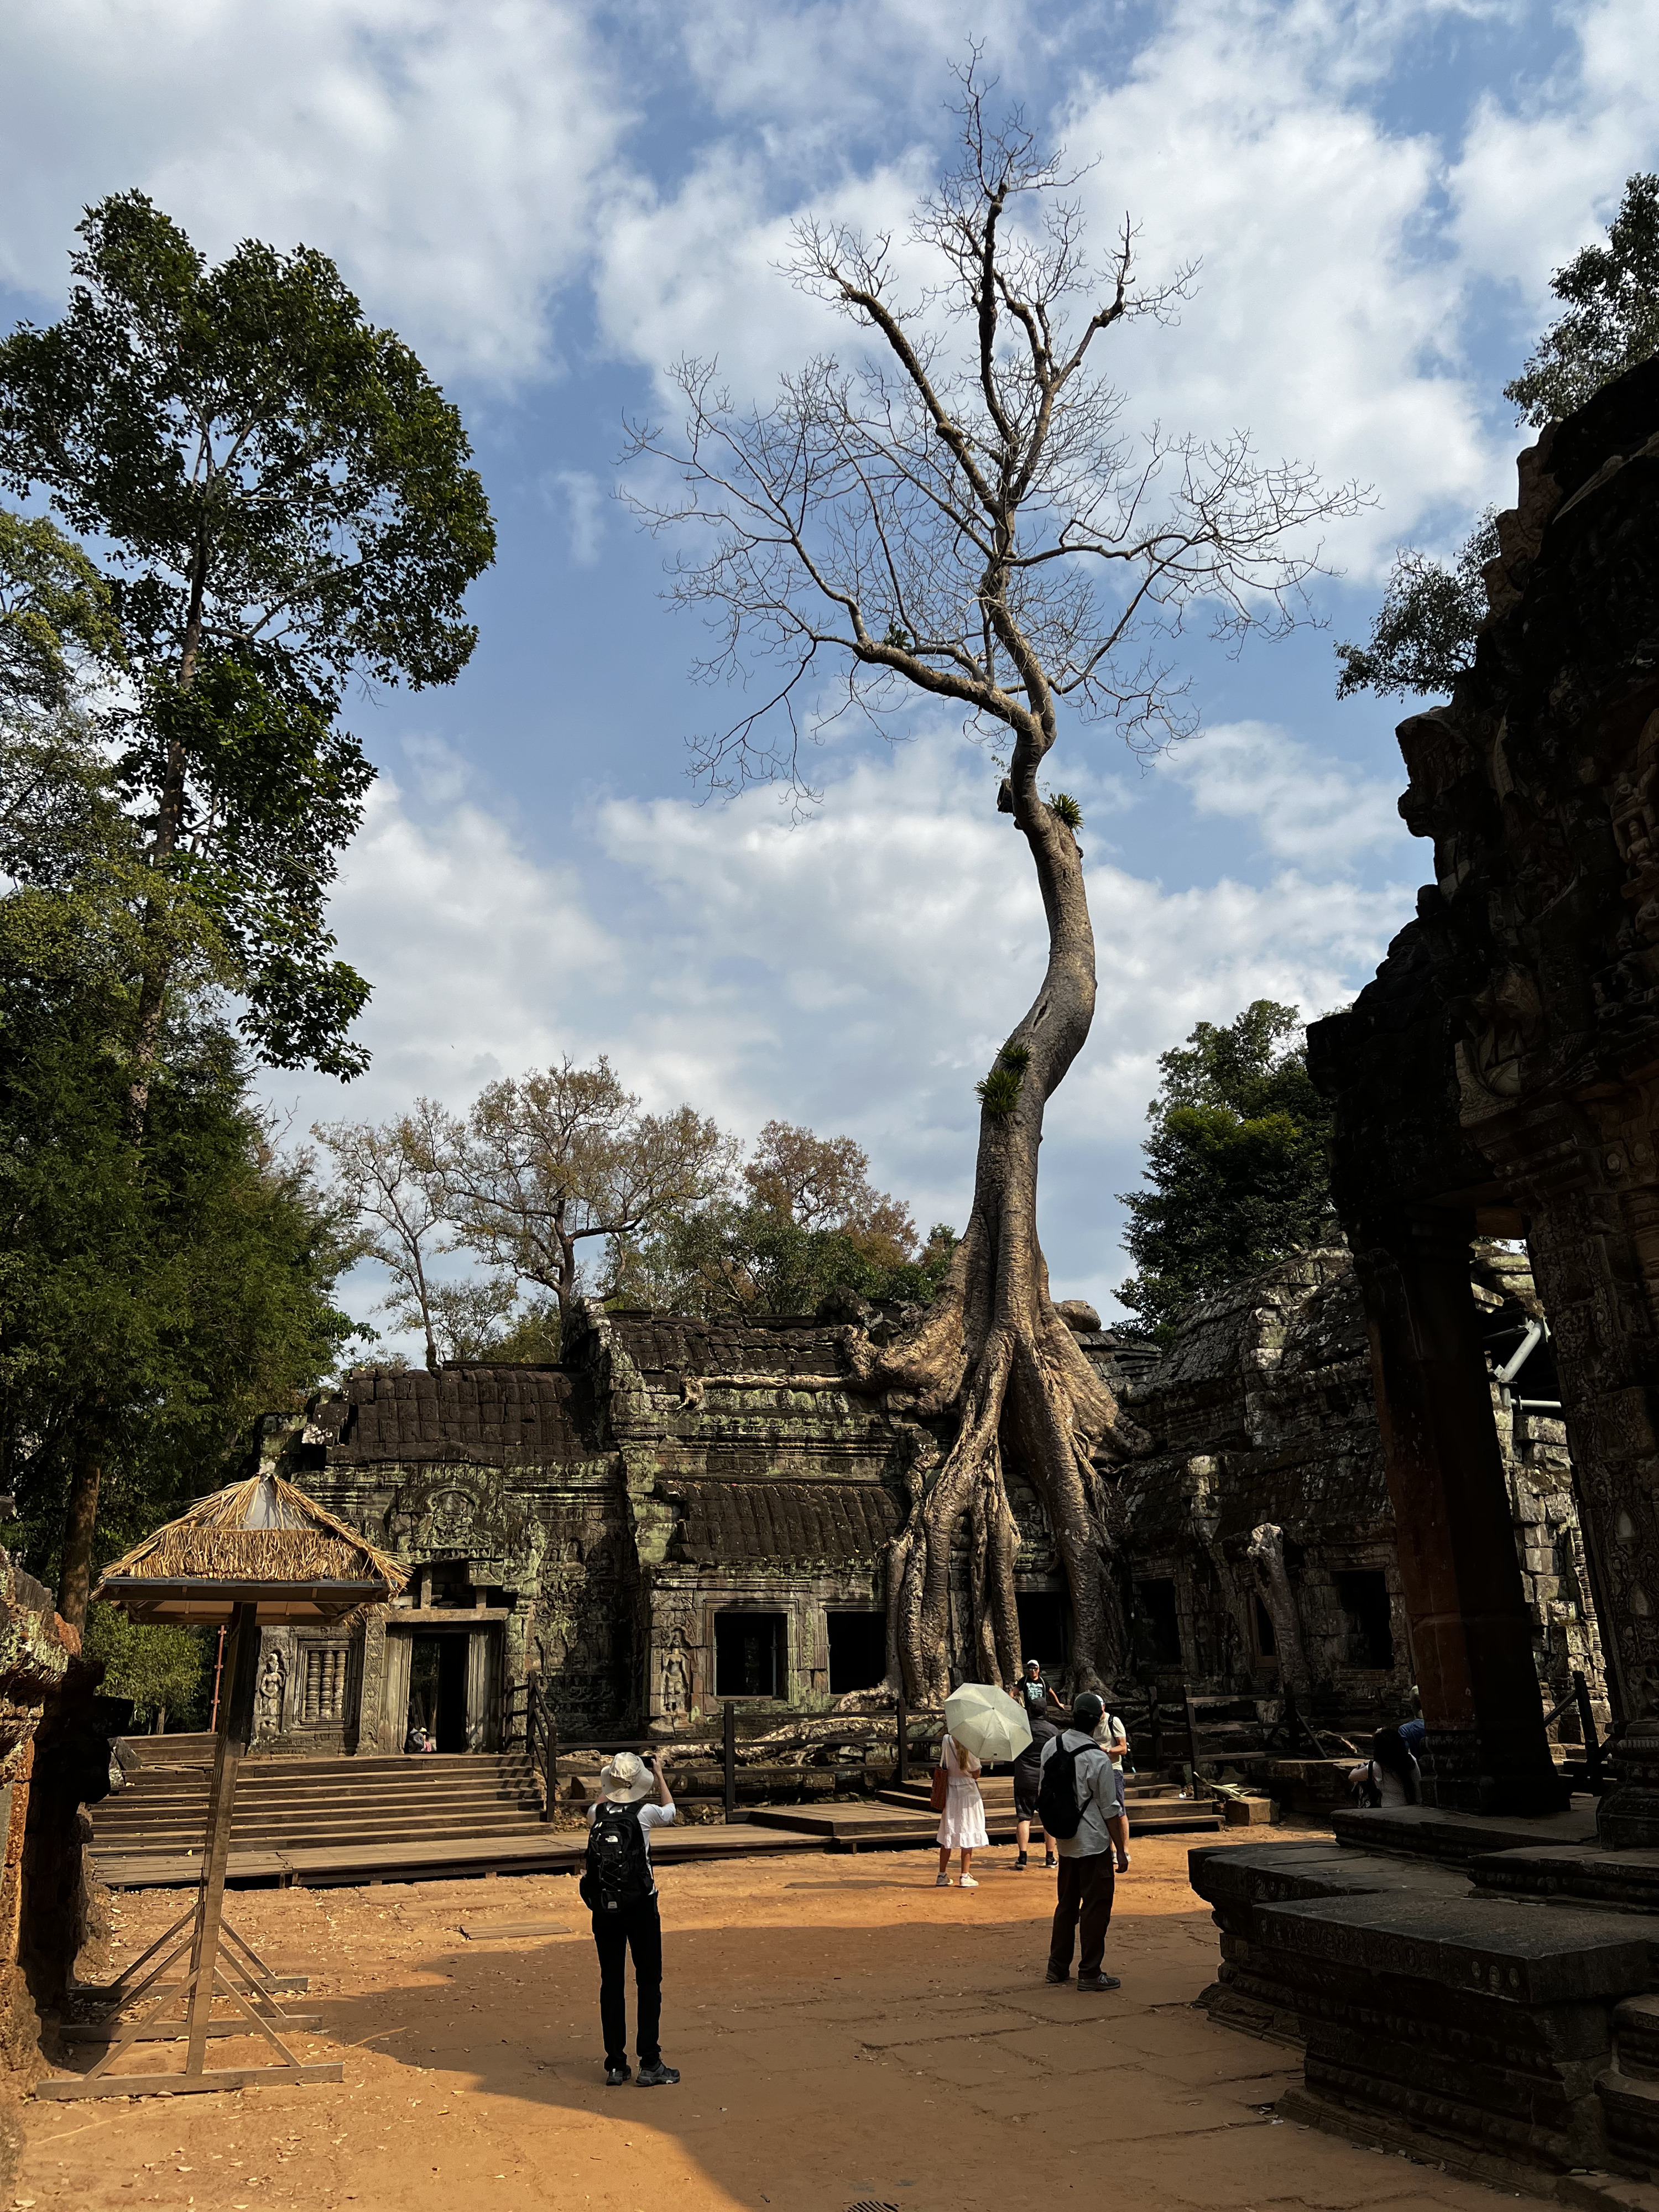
<point>618,1888</point>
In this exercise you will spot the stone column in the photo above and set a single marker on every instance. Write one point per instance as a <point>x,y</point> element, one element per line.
<point>480,1716</point>
<point>1595,1252</point>
<point>365,1725</point>
<point>394,1690</point>
<point>1471,1635</point>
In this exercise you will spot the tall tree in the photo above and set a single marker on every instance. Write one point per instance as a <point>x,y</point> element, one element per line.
<point>824,1183</point>
<point>963,513</point>
<point>152,1299</point>
<point>285,504</point>
<point>1237,1163</point>
<point>1423,633</point>
<point>546,1170</point>
<point>282,501</point>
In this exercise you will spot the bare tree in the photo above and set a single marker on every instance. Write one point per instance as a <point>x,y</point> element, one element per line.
<point>390,1174</point>
<point>548,1162</point>
<point>963,512</point>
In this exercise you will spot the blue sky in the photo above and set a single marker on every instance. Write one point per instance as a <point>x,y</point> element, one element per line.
<point>551,200</point>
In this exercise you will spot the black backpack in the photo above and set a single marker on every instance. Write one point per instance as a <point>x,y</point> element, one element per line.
<point>619,1873</point>
<point>1057,1800</point>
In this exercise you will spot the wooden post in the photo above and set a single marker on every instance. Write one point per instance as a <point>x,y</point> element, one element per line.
<point>235,1731</point>
<point>729,1735</point>
<point>1154,1722</point>
<point>218,1679</point>
<point>1592,1741</point>
<point>550,1756</point>
<point>902,1774</point>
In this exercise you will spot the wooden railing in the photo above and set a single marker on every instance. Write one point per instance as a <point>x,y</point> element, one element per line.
<point>525,1713</point>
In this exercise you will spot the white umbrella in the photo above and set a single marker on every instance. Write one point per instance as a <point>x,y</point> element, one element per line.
<point>986,1722</point>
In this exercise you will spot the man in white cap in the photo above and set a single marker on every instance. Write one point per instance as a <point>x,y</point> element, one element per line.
<point>621,1892</point>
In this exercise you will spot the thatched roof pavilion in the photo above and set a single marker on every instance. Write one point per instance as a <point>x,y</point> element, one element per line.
<point>259,1542</point>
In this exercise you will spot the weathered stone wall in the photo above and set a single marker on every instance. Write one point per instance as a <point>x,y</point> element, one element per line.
<point>1263,1414</point>
<point>1501,1074</point>
<point>600,1523</point>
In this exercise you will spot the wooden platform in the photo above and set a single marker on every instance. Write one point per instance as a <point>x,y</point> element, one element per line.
<point>551,1851</point>
<point>313,1824</point>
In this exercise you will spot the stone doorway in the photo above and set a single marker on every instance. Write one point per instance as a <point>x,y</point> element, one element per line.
<point>444,1679</point>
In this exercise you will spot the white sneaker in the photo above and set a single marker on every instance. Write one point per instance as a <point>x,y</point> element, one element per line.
<point>968,1882</point>
<point>944,1882</point>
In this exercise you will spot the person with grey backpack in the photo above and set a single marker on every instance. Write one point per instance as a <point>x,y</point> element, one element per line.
<point>1080,1804</point>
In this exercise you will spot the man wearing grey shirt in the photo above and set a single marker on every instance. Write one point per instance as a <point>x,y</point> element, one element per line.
<point>1086,1880</point>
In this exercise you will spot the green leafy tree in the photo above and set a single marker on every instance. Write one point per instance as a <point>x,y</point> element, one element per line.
<point>1423,636</point>
<point>1423,633</point>
<point>153,1298</point>
<point>56,619</point>
<point>1237,1164</point>
<point>161,1665</point>
<point>1611,295</point>
<point>286,503</point>
<point>281,503</point>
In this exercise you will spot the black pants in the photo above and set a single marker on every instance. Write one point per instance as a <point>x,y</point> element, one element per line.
<point>637,1928</point>
<point>1084,1910</point>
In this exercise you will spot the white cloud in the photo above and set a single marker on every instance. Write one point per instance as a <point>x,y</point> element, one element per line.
<point>1538,176</point>
<point>449,157</point>
<point>1312,811</point>
<point>854,973</point>
<point>1240,134</point>
<point>582,498</point>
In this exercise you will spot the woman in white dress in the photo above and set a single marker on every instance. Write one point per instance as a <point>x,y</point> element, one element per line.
<point>962,1824</point>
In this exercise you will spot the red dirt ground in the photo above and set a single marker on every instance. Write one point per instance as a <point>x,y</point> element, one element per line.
<point>846,2032</point>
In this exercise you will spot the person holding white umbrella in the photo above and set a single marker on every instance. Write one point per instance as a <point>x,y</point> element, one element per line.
<point>981,1723</point>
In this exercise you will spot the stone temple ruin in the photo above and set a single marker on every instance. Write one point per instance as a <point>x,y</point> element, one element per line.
<point>1420,1470</point>
<point>687,1514</point>
<point>1474,1978</point>
<point>1266,1561</point>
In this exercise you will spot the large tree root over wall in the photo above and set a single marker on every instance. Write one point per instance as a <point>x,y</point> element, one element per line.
<point>994,1358</point>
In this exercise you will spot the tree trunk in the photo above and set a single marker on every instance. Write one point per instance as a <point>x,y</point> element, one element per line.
<point>992,1352</point>
<point>169,827</point>
<point>80,1525</point>
<point>1266,1557</point>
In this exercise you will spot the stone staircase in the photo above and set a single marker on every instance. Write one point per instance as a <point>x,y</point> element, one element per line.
<point>440,1804</point>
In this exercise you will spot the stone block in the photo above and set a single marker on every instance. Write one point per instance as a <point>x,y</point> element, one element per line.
<point>1467,1948</point>
<point>1248,1811</point>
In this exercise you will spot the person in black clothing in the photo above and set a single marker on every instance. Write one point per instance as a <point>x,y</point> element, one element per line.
<point>1028,1780</point>
<point>1033,1692</point>
<point>627,1781</point>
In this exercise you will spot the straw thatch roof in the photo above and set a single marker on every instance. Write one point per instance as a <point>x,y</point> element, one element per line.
<point>263,1530</point>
